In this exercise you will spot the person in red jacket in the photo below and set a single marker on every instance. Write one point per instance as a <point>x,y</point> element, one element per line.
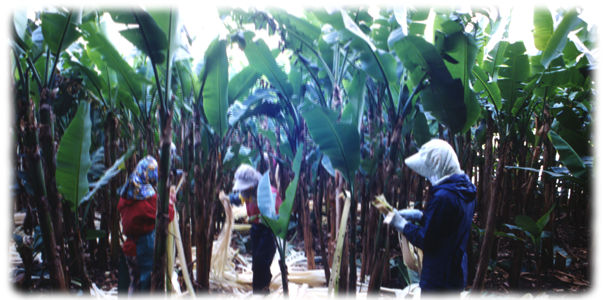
<point>263,242</point>
<point>138,208</point>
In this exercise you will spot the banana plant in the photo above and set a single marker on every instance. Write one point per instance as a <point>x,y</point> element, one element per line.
<point>279,223</point>
<point>338,141</point>
<point>55,33</point>
<point>532,231</point>
<point>157,37</point>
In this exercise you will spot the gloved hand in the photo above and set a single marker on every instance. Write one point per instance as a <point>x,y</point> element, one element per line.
<point>395,220</point>
<point>411,214</point>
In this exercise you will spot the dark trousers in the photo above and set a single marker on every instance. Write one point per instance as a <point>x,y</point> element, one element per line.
<point>141,265</point>
<point>263,251</point>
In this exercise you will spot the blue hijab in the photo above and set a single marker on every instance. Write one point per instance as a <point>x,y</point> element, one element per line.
<point>140,183</point>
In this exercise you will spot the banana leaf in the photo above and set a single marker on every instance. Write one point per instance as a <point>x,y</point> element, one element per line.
<point>261,59</point>
<point>338,140</point>
<point>112,58</point>
<point>215,88</point>
<point>73,158</point>
<point>515,71</point>
<point>19,23</point>
<point>266,200</point>
<point>568,156</point>
<point>353,111</point>
<point>155,33</point>
<point>484,86</point>
<point>241,83</point>
<point>115,169</point>
<point>558,40</point>
<point>462,48</point>
<point>53,27</point>
<point>443,97</point>
<point>544,27</point>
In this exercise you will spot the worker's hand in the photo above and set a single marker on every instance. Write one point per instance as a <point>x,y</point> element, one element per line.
<point>234,199</point>
<point>411,214</point>
<point>398,222</point>
<point>172,196</point>
<point>395,220</point>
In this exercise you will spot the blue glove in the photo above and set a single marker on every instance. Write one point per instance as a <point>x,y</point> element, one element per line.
<point>411,214</point>
<point>395,220</point>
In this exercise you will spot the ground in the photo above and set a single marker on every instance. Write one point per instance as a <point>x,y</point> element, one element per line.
<point>573,277</point>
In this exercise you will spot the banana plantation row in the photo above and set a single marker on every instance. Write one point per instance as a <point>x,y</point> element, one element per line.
<point>332,111</point>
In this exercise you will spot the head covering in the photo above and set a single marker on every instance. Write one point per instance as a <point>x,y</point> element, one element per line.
<point>141,181</point>
<point>435,160</point>
<point>246,177</point>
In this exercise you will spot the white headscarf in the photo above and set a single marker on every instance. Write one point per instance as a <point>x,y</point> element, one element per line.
<point>246,177</point>
<point>435,160</point>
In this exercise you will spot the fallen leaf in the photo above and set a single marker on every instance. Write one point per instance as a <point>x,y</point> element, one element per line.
<point>581,282</point>
<point>563,278</point>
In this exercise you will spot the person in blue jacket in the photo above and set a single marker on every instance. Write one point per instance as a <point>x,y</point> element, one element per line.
<point>446,221</point>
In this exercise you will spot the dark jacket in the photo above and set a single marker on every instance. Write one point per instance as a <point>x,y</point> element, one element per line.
<point>444,233</point>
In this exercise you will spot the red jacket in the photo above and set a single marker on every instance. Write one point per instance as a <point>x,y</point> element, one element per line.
<point>253,212</point>
<point>138,218</point>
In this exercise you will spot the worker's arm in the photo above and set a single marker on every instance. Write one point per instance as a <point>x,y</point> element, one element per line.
<point>425,236</point>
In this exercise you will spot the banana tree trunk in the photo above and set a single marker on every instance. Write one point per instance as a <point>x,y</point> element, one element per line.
<point>186,210</point>
<point>549,192</point>
<point>337,257</point>
<point>106,200</point>
<point>331,211</point>
<point>35,171</point>
<point>205,228</point>
<point>196,201</point>
<point>158,276</point>
<point>205,185</point>
<point>352,241</point>
<point>318,220</point>
<point>489,235</point>
<point>47,144</point>
<point>363,233</point>
<point>77,265</point>
<point>307,234</point>
<point>114,218</point>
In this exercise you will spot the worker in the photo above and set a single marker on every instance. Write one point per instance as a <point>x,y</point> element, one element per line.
<point>263,241</point>
<point>445,224</point>
<point>137,208</point>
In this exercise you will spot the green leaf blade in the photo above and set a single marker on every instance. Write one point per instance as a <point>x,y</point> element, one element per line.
<point>241,83</point>
<point>73,157</point>
<point>338,140</point>
<point>558,40</point>
<point>260,58</point>
<point>215,89</point>
<point>53,27</point>
<point>544,27</point>
<point>443,97</point>
<point>568,156</point>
